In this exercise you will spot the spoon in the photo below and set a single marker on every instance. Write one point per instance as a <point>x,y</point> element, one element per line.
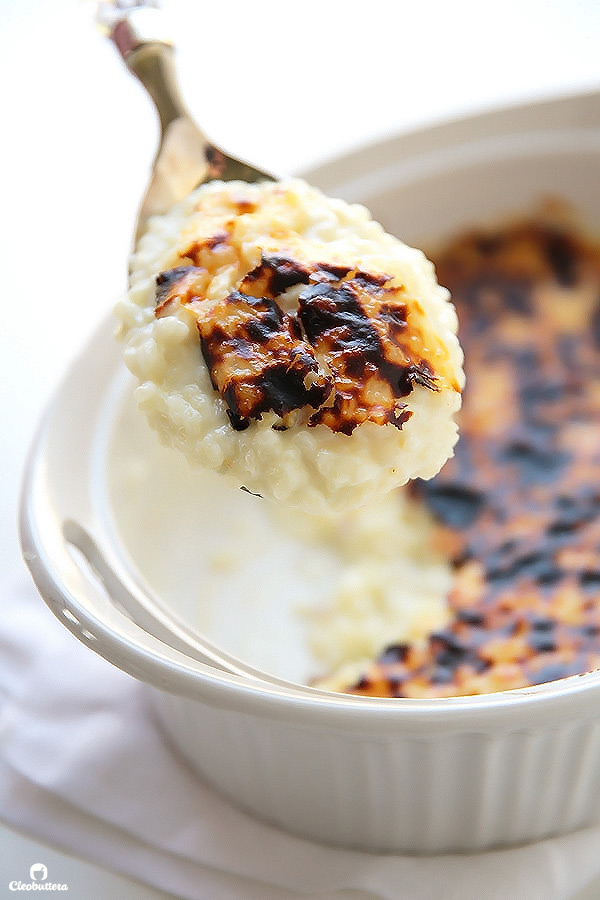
<point>186,158</point>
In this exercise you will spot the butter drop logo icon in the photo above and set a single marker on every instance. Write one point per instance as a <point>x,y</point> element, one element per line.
<point>38,872</point>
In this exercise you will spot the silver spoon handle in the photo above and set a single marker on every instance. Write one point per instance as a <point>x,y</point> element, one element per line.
<point>140,34</point>
<point>186,158</point>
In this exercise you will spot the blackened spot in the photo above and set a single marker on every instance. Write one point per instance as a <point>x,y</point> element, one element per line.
<point>562,257</point>
<point>285,273</point>
<point>283,377</point>
<point>451,658</point>
<point>551,672</point>
<point>284,389</point>
<point>541,642</point>
<point>550,576</point>
<point>369,280</point>
<point>541,623</point>
<point>487,244</point>
<point>295,328</point>
<point>395,653</point>
<point>595,326</point>
<point>404,379</point>
<point>396,318</point>
<point>561,528</point>
<point>347,426</point>
<point>403,383</point>
<point>490,295</point>
<point>527,359</point>
<point>517,297</point>
<point>479,319</point>
<point>500,578</point>
<point>422,374</point>
<point>508,546</point>
<point>499,558</point>
<point>442,674</point>
<point>449,650</point>
<point>567,502</point>
<point>542,392</point>
<point>578,509</point>
<point>590,581</point>
<point>448,640</point>
<point>472,617</point>
<point>456,505</point>
<point>330,272</point>
<point>215,240</point>
<point>166,280</point>
<point>536,464</point>
<point>238,423</point>
<point>569,348</point>
<point>479,664</point>
<point>338,311</point>
<point>263,327</point>
<point>535,566</point>
<point>395,681</point>
<point>355,364</point>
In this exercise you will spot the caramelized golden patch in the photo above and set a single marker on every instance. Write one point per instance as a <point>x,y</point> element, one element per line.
<point>518,506</point>
<point>210,252</point>
<point>363,331</point>
<point>350,352</point>
<point>257,360</point>
<point>180,285</point>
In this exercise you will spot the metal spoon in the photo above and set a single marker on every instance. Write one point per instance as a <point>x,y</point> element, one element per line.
<point>186,158</point>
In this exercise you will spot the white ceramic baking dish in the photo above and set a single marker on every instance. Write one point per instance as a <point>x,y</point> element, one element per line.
<point>397,775</point>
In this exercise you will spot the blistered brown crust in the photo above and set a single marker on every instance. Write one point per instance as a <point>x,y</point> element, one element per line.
<point>274,370</point>
<point>518,506</point>
<point>360,328</point>
<point>350,352</point>
<point>180,285</point>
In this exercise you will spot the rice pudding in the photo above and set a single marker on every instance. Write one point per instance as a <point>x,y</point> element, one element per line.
<point>517,510</point>
<point>283,339</point>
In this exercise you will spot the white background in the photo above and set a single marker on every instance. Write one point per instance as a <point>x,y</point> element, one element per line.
<point>281,84</point>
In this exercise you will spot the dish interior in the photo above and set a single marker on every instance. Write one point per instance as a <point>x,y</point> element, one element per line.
<point>219,558</point>
<point>210,553</point>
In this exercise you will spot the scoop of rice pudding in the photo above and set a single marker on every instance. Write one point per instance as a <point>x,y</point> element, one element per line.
<point>283,338</point>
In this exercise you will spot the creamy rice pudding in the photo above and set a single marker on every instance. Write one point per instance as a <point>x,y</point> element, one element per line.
<point>284,339</point>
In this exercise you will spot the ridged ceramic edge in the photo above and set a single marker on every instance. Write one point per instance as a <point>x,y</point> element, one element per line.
<point>463,791</point>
